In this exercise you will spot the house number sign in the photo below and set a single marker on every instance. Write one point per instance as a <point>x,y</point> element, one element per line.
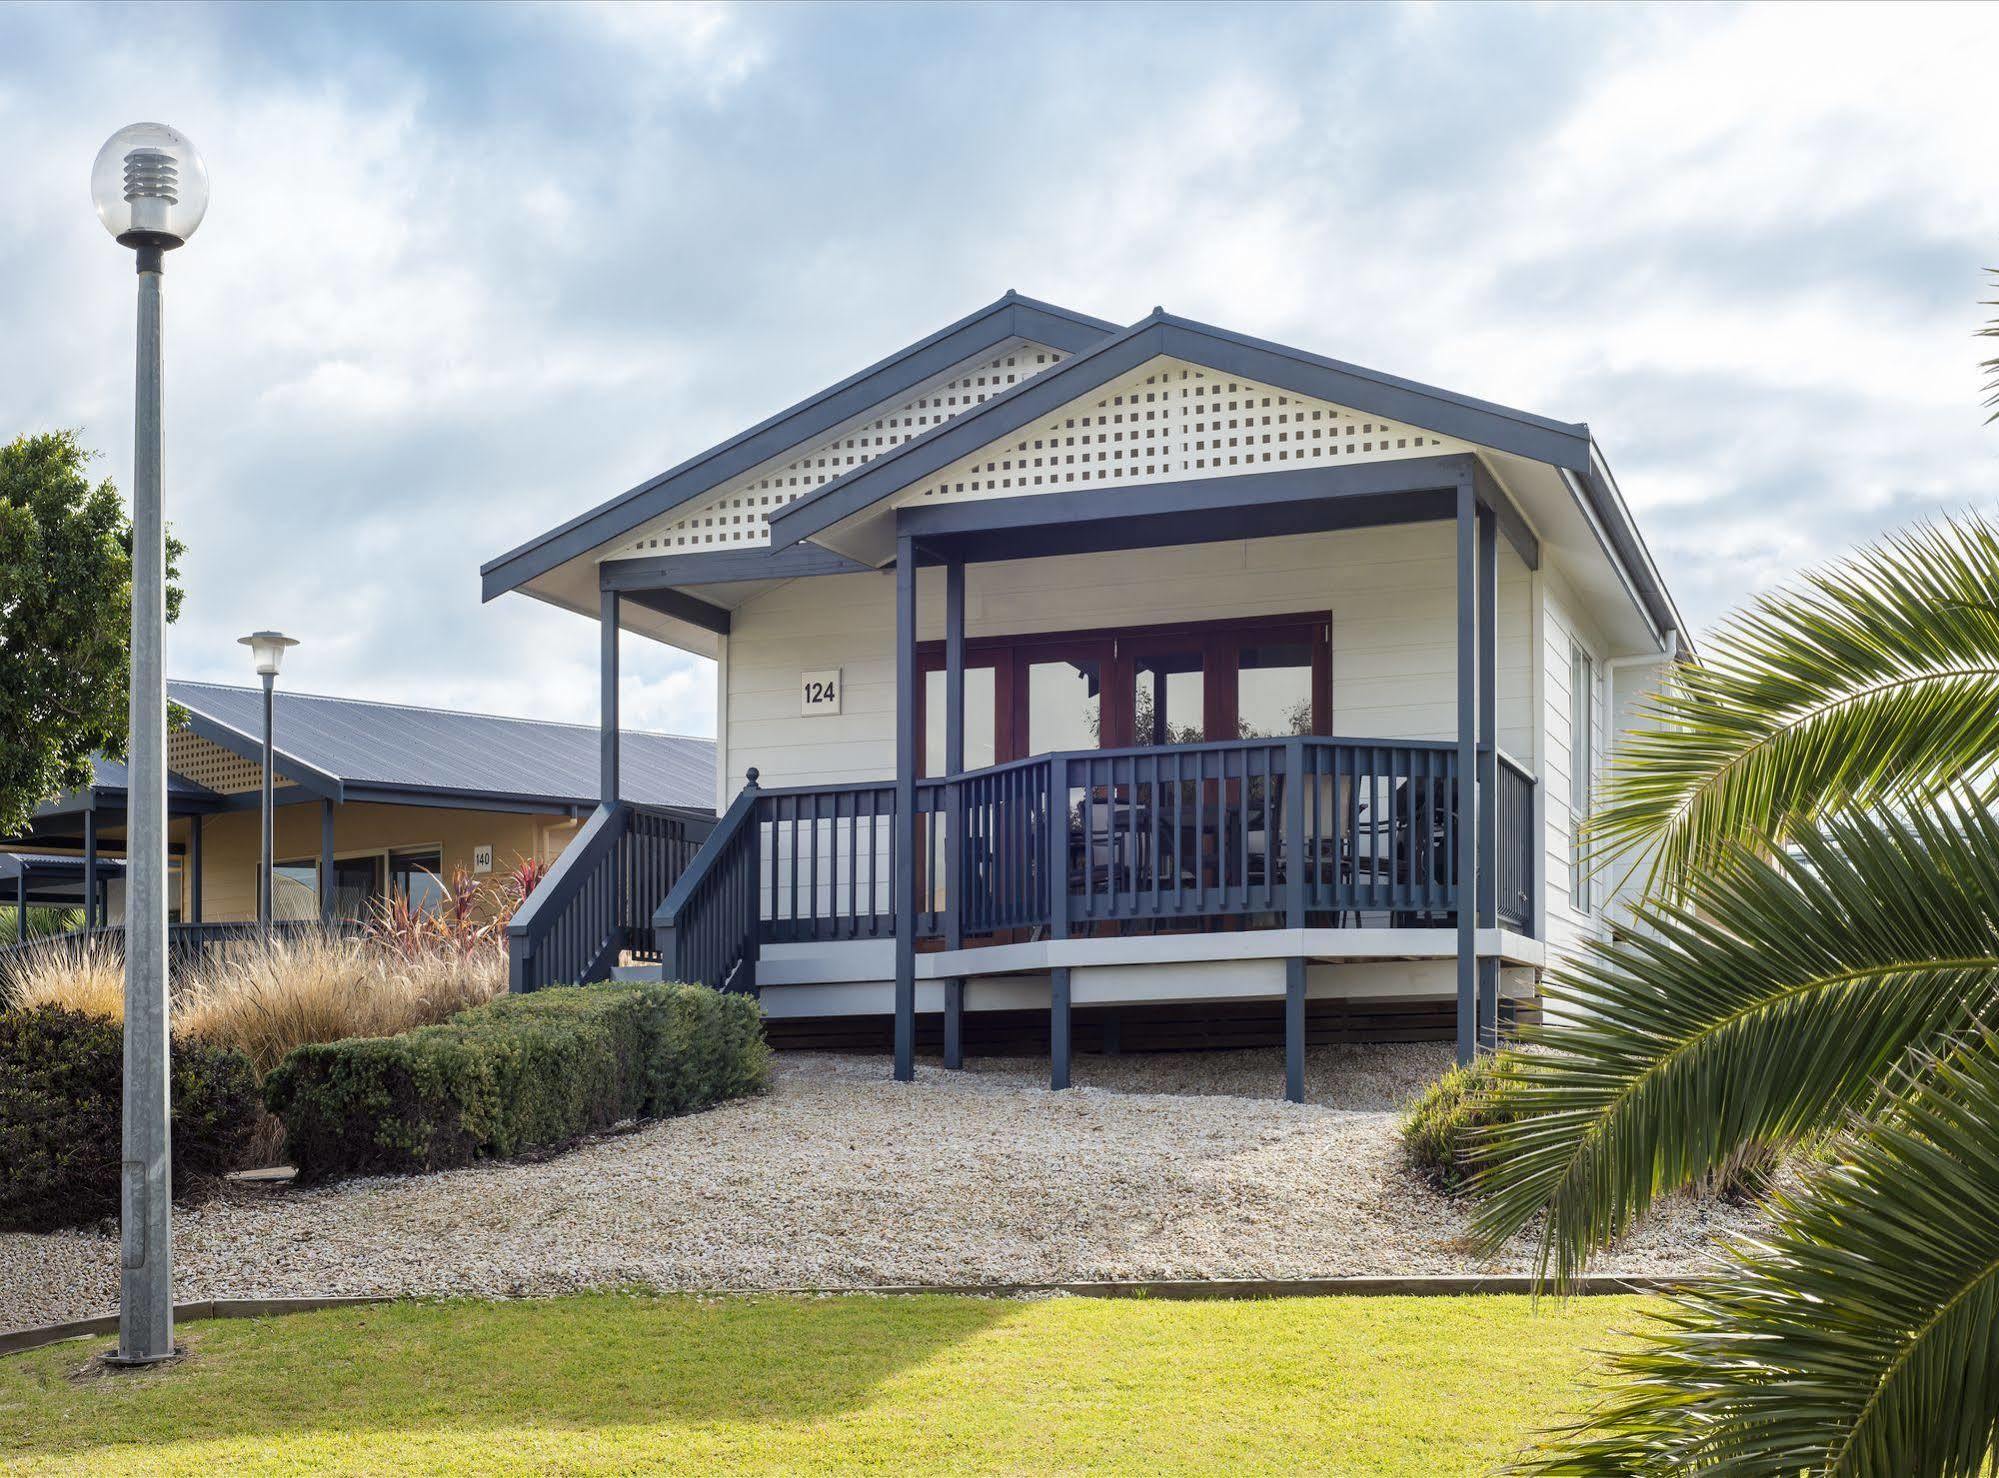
<point>819,692</point>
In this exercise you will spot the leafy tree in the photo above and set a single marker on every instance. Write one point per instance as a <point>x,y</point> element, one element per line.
<point>65,620</point>
<point>1818,964</point>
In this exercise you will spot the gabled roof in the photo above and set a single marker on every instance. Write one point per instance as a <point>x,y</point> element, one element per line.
<point>1011,316</point>
<point>395,752</point>
<point>1568,448</point>
<point>1558,443</point>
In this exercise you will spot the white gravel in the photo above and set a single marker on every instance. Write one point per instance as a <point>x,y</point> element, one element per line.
<point>1183,1165</point>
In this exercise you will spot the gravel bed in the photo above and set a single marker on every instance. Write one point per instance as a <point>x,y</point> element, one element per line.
<point>1184,1165</point>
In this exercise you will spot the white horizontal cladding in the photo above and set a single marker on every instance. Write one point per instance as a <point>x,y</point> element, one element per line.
<point>1170,419</point>
<point>733,516</point>
<point>1391,593</point>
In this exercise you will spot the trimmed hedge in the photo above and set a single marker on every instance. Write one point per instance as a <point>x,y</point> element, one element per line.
<point>521,1074</point>
<point>61,1135</point>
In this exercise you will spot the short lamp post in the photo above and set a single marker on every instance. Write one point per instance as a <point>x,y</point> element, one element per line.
<point>151,189</point>
<point>268,650</point>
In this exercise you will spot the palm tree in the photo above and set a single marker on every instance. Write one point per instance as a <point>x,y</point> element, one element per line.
<point>1818,966</point>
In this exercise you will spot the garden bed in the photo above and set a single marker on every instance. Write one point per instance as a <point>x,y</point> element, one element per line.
<point>840,1177</point>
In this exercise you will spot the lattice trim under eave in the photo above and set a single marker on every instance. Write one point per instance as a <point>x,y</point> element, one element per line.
<point>733,517</point>
<point>1170,419</point>
<point>208,764</point>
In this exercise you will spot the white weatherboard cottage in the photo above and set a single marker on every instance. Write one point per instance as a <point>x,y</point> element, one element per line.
<point>1121,675</point>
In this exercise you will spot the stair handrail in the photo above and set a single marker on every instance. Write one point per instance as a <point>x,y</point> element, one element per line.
<point>739,820</point>
<point>555,892</point>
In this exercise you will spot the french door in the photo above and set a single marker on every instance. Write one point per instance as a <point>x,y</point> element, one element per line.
<point>1028,695</point>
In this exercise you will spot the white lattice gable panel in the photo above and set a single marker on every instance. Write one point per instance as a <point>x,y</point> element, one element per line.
<point>733,516</point>
<point>207,763</point>
<point>1171,419</point>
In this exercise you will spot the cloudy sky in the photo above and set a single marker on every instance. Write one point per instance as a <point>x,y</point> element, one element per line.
<point>469,270</point>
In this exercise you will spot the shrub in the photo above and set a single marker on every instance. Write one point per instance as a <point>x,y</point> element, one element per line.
<point>61,1089</point>
<point>1443,1131</point>
<point>523,1074</point>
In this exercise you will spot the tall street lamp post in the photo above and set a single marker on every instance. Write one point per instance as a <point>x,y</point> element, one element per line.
<point>151,189</point>
<point>268,649</point>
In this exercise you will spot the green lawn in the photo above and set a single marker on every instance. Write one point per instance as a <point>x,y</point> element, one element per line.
<point>618,1383</point>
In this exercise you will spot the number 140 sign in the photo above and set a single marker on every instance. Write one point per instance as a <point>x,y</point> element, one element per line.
<point>819,692</point>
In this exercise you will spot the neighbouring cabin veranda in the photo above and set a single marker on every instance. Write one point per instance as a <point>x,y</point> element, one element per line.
<point>1143,682</point>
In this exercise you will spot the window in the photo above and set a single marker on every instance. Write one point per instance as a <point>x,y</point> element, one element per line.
<point>1260,678</point>
<point>1582,764</point>
<point>1274,689</point>
<point>357,883</point>
<point>1169,698</point>
<point>417,876</point>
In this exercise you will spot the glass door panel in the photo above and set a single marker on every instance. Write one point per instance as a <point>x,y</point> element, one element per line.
<point>1274,690</point>
<point>981,718</point>
<point>1168,700</point>
<point>1065,701</point>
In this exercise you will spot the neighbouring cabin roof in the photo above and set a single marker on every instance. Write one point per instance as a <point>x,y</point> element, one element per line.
<point>727,548</point>
<point>391,751</point>
<point>351,749</point>
<point>51,864</point>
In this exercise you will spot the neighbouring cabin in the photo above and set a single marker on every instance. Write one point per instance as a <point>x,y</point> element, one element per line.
<point>1113,681</point>
<point>372,802</point>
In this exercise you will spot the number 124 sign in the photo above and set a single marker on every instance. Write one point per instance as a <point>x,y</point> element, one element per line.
<point>819,692</point>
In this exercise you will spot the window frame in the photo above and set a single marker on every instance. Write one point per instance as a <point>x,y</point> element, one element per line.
<point>1117,647</point>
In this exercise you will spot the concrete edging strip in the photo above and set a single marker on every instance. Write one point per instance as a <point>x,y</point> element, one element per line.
<point>14,1341</point>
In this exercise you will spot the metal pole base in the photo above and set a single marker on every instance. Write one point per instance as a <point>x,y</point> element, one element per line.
<point>140,1362</point>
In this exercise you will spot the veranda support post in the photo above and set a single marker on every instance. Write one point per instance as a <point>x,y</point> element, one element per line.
<point>905,809</point>
<point>954,820</point>
<point>1488,771</point>
<point>1466,799</point>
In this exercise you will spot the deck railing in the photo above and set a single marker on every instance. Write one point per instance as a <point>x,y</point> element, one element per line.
<point>597,902</point>
<point>707,929</point>
<point>1296,831</point>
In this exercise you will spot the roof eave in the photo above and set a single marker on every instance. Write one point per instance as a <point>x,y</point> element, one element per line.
<point>1011,316</point>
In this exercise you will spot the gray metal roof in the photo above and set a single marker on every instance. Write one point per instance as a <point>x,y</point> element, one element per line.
<point>110,774</point>
<point>391,751</point>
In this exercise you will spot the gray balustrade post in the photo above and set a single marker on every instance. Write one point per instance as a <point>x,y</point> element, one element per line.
<point>1058,846</point>
<point>1296,862</point>
<point>753,900</point>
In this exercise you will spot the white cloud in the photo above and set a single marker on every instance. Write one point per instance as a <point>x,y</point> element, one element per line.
<point>469,272</point>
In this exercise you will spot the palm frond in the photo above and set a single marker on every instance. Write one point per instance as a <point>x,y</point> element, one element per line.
<point>1860,1338</point>
<point>1874,680</point>
<point>1765,1009</point>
